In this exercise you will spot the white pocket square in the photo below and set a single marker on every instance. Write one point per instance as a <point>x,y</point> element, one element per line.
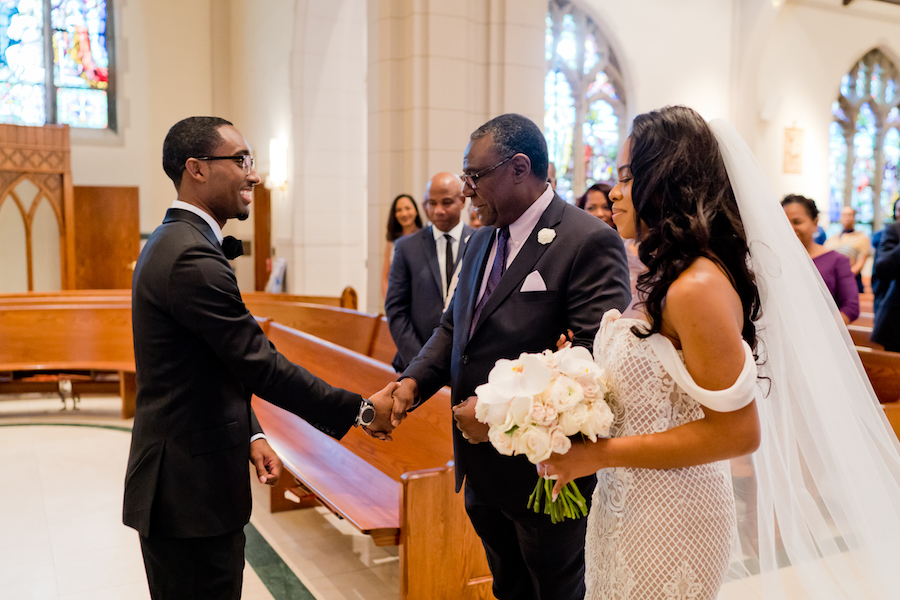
<point>534,283</point>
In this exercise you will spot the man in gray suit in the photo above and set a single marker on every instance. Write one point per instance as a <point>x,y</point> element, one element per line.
<point>200,355</point>
<point>423,266</point>
<point>538,268</point>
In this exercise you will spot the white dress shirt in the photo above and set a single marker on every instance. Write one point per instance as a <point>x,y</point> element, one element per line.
<point>440,243</point>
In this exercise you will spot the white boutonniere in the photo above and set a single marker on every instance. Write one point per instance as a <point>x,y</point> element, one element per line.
<point>545,236</point>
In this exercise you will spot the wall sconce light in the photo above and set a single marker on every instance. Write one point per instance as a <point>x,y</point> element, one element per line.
<point>277,164</point>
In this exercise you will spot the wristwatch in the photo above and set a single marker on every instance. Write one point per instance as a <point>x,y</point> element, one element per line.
<point>366,413</point>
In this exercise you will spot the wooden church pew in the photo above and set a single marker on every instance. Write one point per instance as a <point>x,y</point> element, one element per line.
<point>399,492</point>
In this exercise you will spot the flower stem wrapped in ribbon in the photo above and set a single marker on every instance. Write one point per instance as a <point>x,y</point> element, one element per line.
<point>534,404</point>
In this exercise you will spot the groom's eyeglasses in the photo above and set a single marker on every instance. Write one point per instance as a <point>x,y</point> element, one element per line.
<point>245,160</point>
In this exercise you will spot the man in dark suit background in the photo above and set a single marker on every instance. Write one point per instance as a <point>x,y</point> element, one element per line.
<point>537,268</point>
<point>199,356</point>
<point>423,267</point>
<point>886,325</point>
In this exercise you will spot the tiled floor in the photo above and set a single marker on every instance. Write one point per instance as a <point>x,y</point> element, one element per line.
<point>61,532</point>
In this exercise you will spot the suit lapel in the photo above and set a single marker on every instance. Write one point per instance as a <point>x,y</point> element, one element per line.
<point>525,260</point>
<point>429,248</point>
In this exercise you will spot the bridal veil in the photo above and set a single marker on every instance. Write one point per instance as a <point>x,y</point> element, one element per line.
<point>819,502</point>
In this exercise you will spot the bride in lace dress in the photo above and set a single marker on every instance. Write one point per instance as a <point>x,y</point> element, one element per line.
<point>682,382</point>
<point>742,349</point>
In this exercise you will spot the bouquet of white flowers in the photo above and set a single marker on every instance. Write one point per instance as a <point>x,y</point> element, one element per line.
<point>534,403</point>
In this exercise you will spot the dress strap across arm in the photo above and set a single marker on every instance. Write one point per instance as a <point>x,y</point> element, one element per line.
<point>739,395</point>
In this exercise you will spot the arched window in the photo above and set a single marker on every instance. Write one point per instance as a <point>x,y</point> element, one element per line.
<point>55,63</point>
<point>584,106</point>
<point>865,142</point>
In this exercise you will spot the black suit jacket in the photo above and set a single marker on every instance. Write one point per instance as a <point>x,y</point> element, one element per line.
<point>585,272</point>
<point>415,297</point>
<point>886,326</point>
<point>199,356</point>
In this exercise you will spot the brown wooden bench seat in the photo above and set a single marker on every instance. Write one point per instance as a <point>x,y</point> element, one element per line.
<point>862,336</point>
<point>883,369</point>
<point>399,492</point>
<point>62,339</point>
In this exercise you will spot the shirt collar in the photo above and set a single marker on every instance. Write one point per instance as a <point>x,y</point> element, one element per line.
<point>525,224</point>
<point>203,215</point>
<point>455,233</point>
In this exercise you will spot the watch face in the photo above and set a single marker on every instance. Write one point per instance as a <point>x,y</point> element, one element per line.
<point>368,415</point>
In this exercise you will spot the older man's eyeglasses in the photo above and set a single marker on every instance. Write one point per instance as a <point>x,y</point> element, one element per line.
<point>245,160</point>
<point>472,180</point>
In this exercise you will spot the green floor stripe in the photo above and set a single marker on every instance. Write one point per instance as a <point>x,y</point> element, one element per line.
<point>95,426</point>
<point>278,578</point>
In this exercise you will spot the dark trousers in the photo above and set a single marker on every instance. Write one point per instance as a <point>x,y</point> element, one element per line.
<point>210,568</point>
<point>530,558</point>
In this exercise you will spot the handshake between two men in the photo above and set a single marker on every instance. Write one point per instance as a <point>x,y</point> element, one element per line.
<point>396,399</point>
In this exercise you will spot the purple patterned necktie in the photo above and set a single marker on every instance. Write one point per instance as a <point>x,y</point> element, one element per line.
<point>497,271</point>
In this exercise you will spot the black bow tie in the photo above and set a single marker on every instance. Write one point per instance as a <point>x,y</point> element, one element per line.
<point>232,247</point>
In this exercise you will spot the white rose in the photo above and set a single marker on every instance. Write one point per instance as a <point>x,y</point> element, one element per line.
<point>599,420</point>
<point>566,393</point>
<point>590,387</point>
<point>572,421</point>
<point>520,409</point>
<point>491,407</point>
<point>559,443</point>
<point>545,236</point>
<point>502,440</point>
<point>534,443</point>
<point>543,414</point>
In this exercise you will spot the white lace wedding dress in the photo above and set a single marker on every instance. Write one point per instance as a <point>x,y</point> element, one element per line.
<point>658,534</point>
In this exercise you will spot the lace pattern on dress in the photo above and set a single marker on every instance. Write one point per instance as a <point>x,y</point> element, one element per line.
<point>654,533</point>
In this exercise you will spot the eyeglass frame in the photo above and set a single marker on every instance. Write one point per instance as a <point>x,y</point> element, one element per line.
<point>246,161</point>
<point>472,180</point>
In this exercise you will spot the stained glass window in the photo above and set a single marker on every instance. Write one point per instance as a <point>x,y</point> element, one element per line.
<point>864,143</point>
<point>55,63</point>
<point>584,109</point>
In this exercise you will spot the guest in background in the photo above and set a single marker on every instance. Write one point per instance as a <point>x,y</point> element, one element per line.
<point>423,267</point>
<point>851,243</point>
<point>833,266</point>
<point>596,201</point>
<point>403,220</point>
<point>551,175</point>
<point>886,326</point>
<point>879,290</point>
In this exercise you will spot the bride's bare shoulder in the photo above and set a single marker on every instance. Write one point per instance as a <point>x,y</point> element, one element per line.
<point>703,295</point>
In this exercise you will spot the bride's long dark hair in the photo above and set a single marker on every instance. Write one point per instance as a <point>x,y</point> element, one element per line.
<point>685,209</point>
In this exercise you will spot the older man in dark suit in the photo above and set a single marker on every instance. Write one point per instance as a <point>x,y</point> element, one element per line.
<point>423,266</point>
<point>538,268</point>
<point>886,326</point>
<point>200,355</point>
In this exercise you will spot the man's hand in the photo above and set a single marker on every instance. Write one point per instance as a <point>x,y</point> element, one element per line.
<point>268,465</point>
<point>381,427</point>
<point>472,429</point>
<point>404,397</point>
<point>565,340</point>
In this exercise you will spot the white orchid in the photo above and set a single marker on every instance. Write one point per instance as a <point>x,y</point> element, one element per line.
<point>528,375</point>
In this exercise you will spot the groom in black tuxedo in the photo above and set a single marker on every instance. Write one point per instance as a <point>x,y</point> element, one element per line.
<point>538,268</point>
<point>200,355</point>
